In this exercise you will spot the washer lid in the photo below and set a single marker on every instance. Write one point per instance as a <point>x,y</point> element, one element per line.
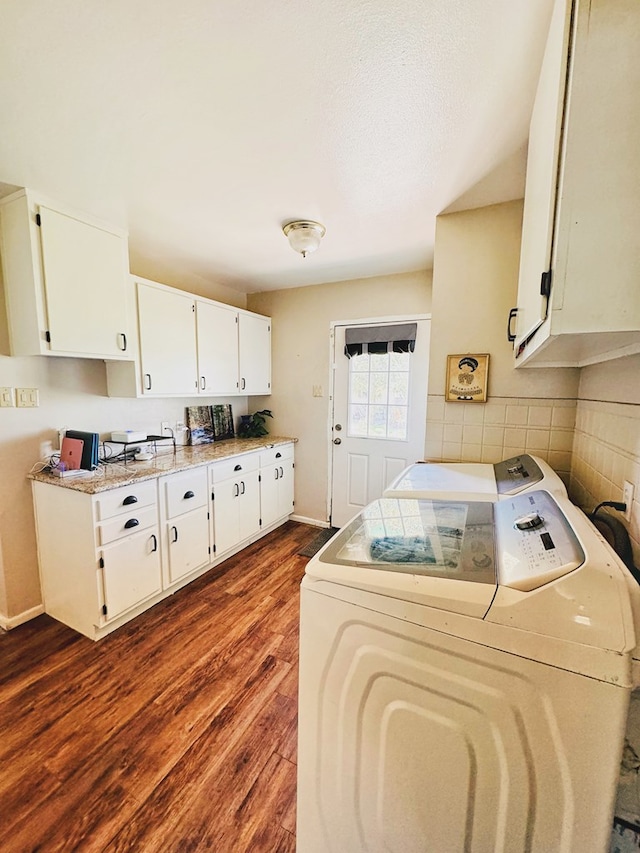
<point>472,481</point>
<point>439,553</point>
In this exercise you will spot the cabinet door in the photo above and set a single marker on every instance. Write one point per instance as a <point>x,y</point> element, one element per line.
<point>167,341</point>
<point>131,572</point>
<point>85,278</point>
<point>542,175</point>
<point>226,516</point>
<point>249,505</point>
<point>255,354</point>
<point>217,330</point>
<point>188,543</point>
<point>269,494</point>
<point>285,488</point>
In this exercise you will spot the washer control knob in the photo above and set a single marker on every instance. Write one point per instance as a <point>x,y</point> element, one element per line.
<point>529,521</point>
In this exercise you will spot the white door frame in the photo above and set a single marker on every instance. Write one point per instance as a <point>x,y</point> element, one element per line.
<point>361,321</point>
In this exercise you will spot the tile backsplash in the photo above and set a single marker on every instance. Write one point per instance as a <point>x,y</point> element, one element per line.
<point>606,452</point>
<point>500,428</point>
<point>593,446</point>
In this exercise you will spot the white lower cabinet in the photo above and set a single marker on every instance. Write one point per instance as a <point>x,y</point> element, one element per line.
<point>131,572</point>
<point>185,517</point>
<point>106,557</point>
<point>235,495</point>
<point>276,486</point>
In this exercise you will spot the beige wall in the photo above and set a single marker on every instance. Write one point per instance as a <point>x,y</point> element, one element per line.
<point>72,394</point>
<point>475,281</point>
<point>301,322</point>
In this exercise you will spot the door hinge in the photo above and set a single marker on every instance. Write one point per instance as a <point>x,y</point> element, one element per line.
<point>101,563</point>
<point>259,478</point>
<point>104,609</point>
<point>209,548</point>
<point>545,283</point>
<point>260,520</point>
<point>214,549</point>
<point>208,517</point>
<point>47,336</point>
<point>193,307</point>
<point>38,219</point>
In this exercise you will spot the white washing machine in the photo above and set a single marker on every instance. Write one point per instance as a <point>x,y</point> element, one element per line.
<point>465,674</point>
<point>478,481</point>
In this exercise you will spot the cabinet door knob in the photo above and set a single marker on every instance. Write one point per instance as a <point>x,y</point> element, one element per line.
<point>276,472</point>
<point>511,336</point>
<point>278,455</point>
<point>124,342</point>
<point>175,534</point>
<point>242,484</point>
<point>244,384</point>
<point>154,539</point>
<point>188,495</point>
<point>281,473</point>
<point>147,378</point>
<point>130,499</point>
<point>133,522</point>
<point>236,490</point>
<point>203,383</point>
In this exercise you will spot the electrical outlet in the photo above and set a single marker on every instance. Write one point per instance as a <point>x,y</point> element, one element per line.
<point>627,497</point>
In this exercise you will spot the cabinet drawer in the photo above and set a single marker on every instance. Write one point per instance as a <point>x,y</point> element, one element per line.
<point>273,455</point>
<point>184,492</point>
<point>127,523</point>
<point>235,466</point>
<point>125,499</point>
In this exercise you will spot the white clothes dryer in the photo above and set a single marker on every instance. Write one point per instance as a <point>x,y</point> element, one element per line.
<point>465,674</point>
<point>479,481</point>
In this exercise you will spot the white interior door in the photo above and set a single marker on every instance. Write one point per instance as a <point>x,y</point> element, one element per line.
<point>379,419</point>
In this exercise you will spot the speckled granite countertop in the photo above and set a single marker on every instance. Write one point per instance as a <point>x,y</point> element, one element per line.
<point>113,475</point>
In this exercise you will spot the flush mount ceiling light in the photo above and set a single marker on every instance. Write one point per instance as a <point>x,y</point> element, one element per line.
<point>304,236</point>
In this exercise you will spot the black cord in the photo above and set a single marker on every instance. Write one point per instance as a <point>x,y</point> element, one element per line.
<point>621,507</point>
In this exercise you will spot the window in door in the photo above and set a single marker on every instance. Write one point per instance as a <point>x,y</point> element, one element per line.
<point>378,404</point>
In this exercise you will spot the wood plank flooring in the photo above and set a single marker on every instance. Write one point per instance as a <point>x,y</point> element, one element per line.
<point>175,733</point>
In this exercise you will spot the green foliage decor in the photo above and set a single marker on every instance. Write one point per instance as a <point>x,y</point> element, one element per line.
<point>253,426</point>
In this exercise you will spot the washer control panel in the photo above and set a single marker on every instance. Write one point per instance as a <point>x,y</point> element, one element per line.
<point>535,542</point>
<point>515,474</point>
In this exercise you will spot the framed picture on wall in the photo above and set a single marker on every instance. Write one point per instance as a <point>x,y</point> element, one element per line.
<point>466,380</point>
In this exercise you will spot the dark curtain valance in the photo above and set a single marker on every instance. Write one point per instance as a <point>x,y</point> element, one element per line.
<point>376,339</point>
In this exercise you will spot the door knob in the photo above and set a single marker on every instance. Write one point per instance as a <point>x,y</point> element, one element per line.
<point>337,441</point>
<point>338,427</point>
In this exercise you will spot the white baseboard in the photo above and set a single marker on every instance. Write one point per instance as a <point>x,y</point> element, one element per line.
<point>313,521</point>
<point>7,623</point>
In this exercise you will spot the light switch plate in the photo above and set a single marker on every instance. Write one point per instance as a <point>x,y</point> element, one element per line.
<point>7,397</point>
<point>27,398</point>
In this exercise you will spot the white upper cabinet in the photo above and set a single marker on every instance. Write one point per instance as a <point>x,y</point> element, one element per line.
<point>217,335</point>
<point>579,292</point>
<point>65,279</point>
<point>189,346</point>
<point>255,353</point>
<point>166,323</point>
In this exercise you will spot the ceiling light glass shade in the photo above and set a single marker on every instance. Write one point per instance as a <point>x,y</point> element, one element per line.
<point>304,236</point>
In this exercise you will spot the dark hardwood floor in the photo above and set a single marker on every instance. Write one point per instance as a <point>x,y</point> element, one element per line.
<point>175,733</point>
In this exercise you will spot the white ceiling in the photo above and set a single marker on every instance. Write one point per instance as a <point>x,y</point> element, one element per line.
<point>202,126</point>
